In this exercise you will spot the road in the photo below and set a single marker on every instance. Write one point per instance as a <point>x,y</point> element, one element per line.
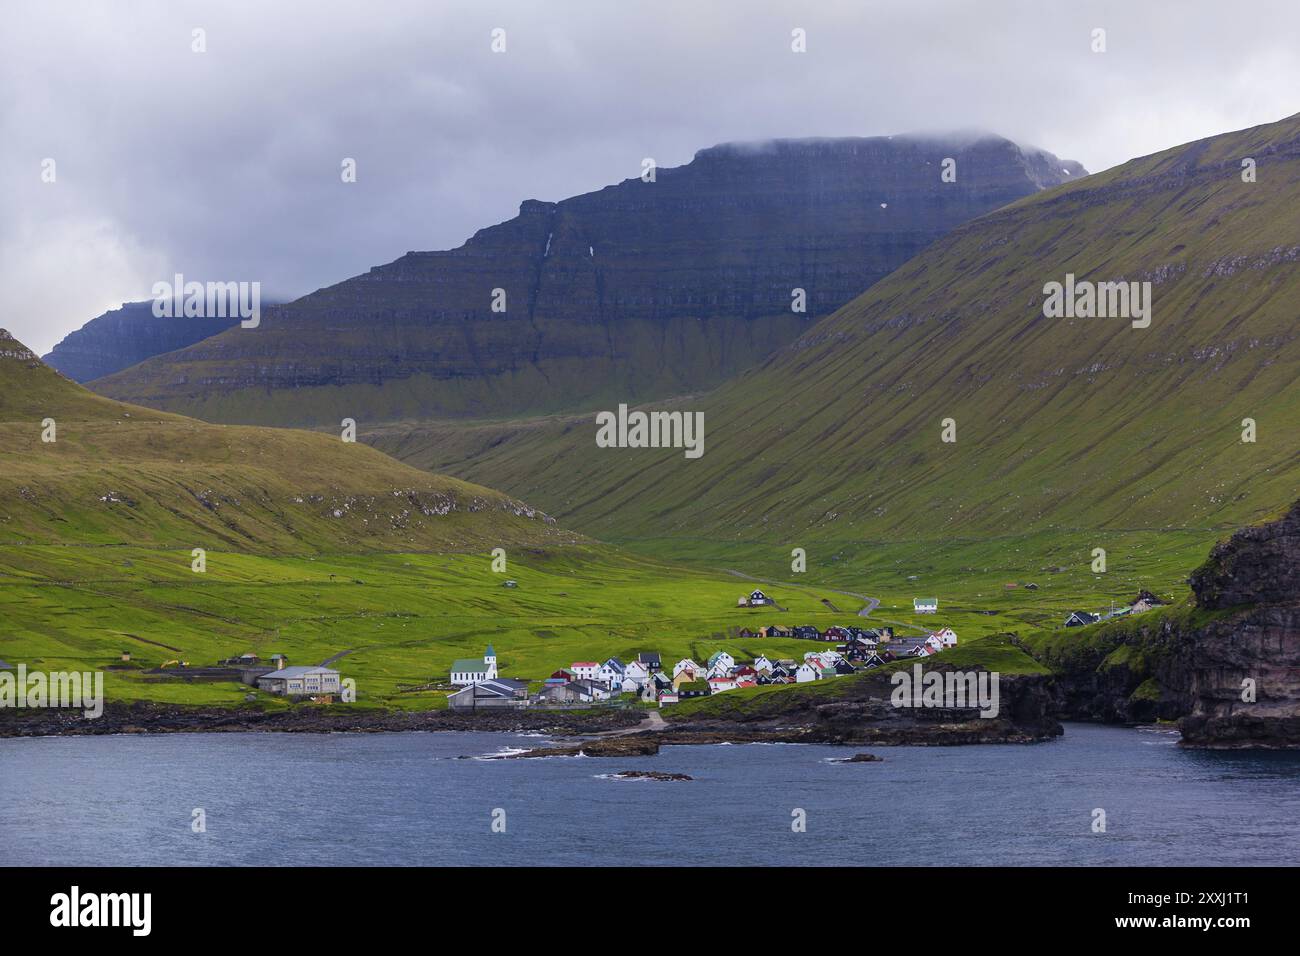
<point>872,603</point>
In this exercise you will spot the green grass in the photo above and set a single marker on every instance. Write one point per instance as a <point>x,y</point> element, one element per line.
<point>403,617</point>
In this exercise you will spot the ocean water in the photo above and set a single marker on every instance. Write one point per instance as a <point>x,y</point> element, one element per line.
<point>429,799</point>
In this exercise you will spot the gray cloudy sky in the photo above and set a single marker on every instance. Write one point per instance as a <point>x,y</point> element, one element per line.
<point>225,165</point>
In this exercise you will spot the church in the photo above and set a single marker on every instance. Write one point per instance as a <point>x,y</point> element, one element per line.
<point>468,670</point>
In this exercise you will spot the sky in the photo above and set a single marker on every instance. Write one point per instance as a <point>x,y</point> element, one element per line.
<point>225,164</point>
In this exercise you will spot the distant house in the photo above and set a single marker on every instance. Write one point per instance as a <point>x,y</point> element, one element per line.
<point>1080,619</point>
<point>835,633</point>
<point>467,670</point>
<point>300,681</point>
<point>925,605</point>
<point>747,632</point>
<point>695,688</point>
<point>806,673</point>
<point>807,632</point>
<point>585,670</point>
<point>686,676</point>
<point>719,684</point>
<point>685,664</point>
<point>611,673</point>
<point>762,664</point>
<point>844,667</point>
<point>488,694</point>
<point>945,636</point>
<point>635,676</point>
<point>721,662</point>
<point>774,630</point>
<point>559,677</point>
<point>745,673</point>
<point>1145,601</point>
<point>650,661</point>
<point>872,660</point>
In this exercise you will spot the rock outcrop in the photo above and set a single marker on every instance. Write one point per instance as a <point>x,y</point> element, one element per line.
<point>861,711</point>
<point>638,291</point>
<point>1226,665</point>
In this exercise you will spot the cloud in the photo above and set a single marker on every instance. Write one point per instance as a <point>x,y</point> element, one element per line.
<point>225,164</point>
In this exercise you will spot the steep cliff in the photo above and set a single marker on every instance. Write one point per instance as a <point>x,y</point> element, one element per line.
<point>637,291</point>
<point>1226,665</point>
<point>123,337</point>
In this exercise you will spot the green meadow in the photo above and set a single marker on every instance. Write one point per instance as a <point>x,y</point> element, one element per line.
<point>399,619</point>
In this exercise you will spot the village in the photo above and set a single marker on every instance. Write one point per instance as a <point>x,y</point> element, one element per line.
<point>652,681</point>
<point>648,680</point>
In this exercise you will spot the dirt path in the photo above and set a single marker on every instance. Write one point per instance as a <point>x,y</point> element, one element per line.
<point>653,721</point>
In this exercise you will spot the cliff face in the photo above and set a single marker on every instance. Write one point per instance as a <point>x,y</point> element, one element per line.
<point>123,337</point>
<point>1193,663</point>
<point>638,291</point>
<point>860,712</point>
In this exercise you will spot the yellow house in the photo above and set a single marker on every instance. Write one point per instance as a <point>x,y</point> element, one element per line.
<point>685,676</point>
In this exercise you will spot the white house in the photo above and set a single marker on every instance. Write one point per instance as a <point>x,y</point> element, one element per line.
<point>468,670</point>
<point>686,664</point>
<point>925,605</point>
<point>718,684</point>
<point>584,670</point>
<point>721,660</point>
<point>611,673</point>
<point>762,664</point>
<point>806,672</point>
<point>635,676</point>
<point>945,636</point>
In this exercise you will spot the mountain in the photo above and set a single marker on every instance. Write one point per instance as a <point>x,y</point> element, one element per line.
<point>638,291</point>
<point>1061,423</point>
<point>125,336</point>
<point>117,474</point>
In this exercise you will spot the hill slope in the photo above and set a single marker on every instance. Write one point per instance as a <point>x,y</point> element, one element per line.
<point>1060,423</point>
<point>118,474</point>
<point>637,291</point>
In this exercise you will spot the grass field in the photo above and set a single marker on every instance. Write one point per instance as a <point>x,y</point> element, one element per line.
<point>399,619</point>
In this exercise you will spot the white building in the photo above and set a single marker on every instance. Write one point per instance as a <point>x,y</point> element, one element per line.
<point>298,681</point>
<point>585,670</point>
<point>635,676</point>
<point>945,636</point>
<point>686,664</point>
<point>467,670</point>
<point>806,673</point>
<point>611,673</point>
<point>925,605</point>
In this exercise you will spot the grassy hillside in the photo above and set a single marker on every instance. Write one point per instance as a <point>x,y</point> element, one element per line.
<point>1077,431</point>
<point>118,474</point>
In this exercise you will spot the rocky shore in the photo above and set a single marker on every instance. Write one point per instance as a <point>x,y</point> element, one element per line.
<point>151,718</point>
<point>1225,666</point>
